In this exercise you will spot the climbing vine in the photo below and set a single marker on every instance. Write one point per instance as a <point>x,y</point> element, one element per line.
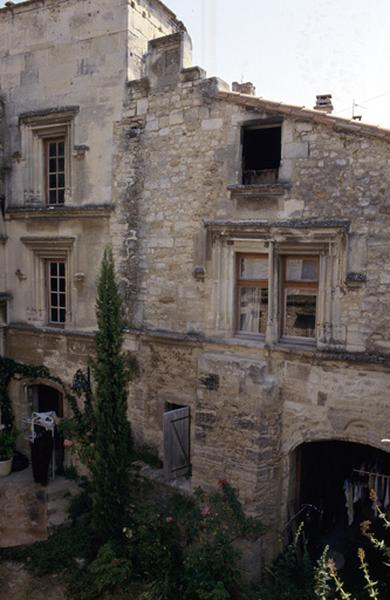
<point>10,368</point>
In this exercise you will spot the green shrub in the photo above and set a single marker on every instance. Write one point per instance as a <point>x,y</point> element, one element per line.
<point>188,552</point>
<point>58,553</point>
<point>7,443</point>
<point>80,505</point>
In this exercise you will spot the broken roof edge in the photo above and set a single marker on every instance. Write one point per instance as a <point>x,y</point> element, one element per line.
<point>304,113</point>
<point>19,6</point>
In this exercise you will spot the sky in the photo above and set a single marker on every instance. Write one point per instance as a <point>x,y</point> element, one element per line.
<point>294,49</point>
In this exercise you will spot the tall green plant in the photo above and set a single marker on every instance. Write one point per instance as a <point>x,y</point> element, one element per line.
<point>110,469</point>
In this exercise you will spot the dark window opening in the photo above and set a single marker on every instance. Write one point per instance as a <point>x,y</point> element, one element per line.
<point>261,154</point>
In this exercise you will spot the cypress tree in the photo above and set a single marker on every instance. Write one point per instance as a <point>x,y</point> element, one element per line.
<point>110,470</point>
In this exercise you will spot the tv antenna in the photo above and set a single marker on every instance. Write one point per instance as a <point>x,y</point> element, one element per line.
<point>356,117</point>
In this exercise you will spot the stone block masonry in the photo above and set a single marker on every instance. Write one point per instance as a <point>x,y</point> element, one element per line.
<point>159,169</point>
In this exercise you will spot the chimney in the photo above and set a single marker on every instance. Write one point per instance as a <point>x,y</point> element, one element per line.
<point>166,57</point>
<point>244,88</point>
<point>324,103</point>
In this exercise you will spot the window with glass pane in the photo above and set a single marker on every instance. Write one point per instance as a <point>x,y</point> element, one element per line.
<point>300,296</point>
<point>57,292</point>
<point>252,293</point>
<point>55,168</point>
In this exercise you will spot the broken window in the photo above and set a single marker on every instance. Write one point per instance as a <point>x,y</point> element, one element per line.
<point>300,287</point>
<point>252,292</point>
<point>261,154</point>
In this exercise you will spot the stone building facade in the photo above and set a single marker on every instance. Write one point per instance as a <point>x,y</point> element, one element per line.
<point>251,241</point>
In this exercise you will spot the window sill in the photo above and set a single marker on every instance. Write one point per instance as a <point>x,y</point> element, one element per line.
<point>50,212</point>
<point>258,191</point>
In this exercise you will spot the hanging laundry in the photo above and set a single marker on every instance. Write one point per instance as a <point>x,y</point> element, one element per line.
<point>386,501</point>
<point>348,491</point>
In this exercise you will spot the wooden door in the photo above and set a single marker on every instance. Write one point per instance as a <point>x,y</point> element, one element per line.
<point>177,442</point>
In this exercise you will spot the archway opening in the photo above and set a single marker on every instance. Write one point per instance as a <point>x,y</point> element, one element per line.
<point>45,399</point>
<point>332,481</point>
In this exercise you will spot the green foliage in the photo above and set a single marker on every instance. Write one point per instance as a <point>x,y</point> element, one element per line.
<point>291,577</point>
<point>58,553</point>
<point>8,369</point>
<point>185,552</point>
<point>71,473</point>
<point>99,431</point>
<point>189,552</point>
<point>7,444</point>
<point>110,467</point>
<point>110,570</point>
<point>322,577</point>
<point>80,505</point>
<point>148,455</point>
<point>79,431</point>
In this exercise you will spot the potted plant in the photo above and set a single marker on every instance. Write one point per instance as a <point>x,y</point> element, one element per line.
<point>7,448</point>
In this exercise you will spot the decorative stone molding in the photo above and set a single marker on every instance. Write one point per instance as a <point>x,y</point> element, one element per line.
<point>355,280</point>
<point>21,276</point>
<point>199,273</point>
<point>79,277</point>
<point>80,151</point>
<point>327,239</point>
<point>60,211</point>
<point>41,250</point>
<point>36,127</point>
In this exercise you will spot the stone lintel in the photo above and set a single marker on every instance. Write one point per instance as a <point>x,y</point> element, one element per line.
<point>59,111</point>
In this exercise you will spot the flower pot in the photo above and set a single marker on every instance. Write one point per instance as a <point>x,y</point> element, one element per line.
<point>5,467</point>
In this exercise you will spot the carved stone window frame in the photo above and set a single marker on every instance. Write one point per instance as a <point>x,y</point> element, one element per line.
<point>36,129</point>
<point>278,241</point>
<point>42,250</point>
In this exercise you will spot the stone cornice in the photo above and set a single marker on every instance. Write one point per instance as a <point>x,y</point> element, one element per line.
<point>266,226</point>
<point>59,212</point>
<point>297,351</point>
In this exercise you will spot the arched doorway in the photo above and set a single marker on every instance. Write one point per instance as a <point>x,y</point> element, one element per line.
<point>331,481</point>
<point>45,398</point>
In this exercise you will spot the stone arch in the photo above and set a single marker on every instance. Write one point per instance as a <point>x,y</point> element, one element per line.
<point>352,445</point>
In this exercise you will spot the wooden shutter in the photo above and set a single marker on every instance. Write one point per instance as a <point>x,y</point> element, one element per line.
<point>177,442</point>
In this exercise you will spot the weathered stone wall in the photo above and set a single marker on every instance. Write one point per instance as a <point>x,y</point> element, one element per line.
<point>74,53</point>
<point>269,399</point>
<point>69,58</point>
<point>189,154</point>
<point>176,152</point>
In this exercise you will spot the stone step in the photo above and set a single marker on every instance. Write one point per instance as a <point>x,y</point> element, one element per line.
<point>61,488</point>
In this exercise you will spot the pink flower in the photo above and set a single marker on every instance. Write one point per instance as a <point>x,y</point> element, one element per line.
<point>205,510</point>
<point>93,445</point>
<point>67,443</point>
<point>89,433</point>
<point>169,519</point>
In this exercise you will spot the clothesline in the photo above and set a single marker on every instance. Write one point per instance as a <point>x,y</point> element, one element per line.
<point>370,473</point>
